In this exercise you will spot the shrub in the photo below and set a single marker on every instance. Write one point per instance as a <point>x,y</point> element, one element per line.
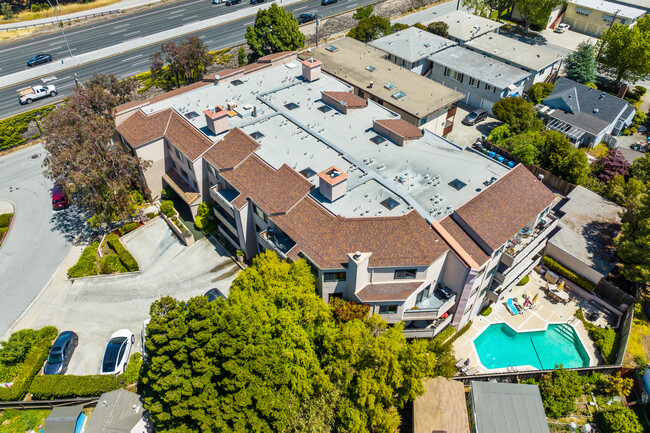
<point>618,419</point>
<point>167,207</point>
<point>111,264</point>
<point>125,256</point>
<point>167,193</point>
<point>640,90</point>
<point>559,390</point>
<point>63,386</point>
<point>87,263</point>
<point>204,220</point>
<point>462,330</point>
<point>640,361</point>
<point>151,215</point>
<point>524,281</point>
<point>486,311</point>
<point>11,129</point>
<point>553,265</point>
<point>7,11</point>
<point>18,346</point>
<point>606,340</point>
<point>444,335</point>
<point>128,227</point>
<point>539,91</point>
<point>132,372</point>
<point>439,28</point>
<point>4,219</point>
<point>363,12</point>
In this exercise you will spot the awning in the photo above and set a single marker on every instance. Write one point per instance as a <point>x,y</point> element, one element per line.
<point>572,132</point>
<point>180,186</point>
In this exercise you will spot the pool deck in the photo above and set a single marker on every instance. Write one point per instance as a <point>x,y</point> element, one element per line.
<point>546,312</point>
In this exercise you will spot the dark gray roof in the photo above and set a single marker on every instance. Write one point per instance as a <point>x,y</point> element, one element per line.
<point>62,419</point>
<point>508,408</point>
<point>575,98</point>
<point>115,413</point>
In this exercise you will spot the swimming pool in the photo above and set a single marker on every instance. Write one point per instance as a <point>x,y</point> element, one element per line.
<point>500,346</point>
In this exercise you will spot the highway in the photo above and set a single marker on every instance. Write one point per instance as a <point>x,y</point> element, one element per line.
<point>92,37</point>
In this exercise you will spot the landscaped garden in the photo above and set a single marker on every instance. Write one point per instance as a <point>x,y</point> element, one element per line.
<point>20,421</point>
<point>5,220</point>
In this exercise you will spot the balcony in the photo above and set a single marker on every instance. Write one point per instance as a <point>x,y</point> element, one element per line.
<point>276,241</point>
<point>223,196</point>
<point>433,306</point>
<point>526,240</point>
<point>426,329</point>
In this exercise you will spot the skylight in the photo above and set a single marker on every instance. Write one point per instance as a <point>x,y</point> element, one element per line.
<point>457,184</point>
<point>237,82</point>
<point>331,48</point>
<point>291,106</point>
<point>427,45</point>
<point>324,108</point>
<point>257,135</point>
<point>307,172</point>
<point>390,203</point>
<point>399,95</point>
<point>377,139</point>
<point>390,86</point>
<point>191,115</point>
<point>370,68</point>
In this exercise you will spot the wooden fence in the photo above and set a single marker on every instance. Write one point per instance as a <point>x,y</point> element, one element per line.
<point>48,404</point>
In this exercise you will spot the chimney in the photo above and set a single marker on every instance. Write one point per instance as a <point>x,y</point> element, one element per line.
<point>311,69</point>
<point>217,119</point>
<point>332,183</point>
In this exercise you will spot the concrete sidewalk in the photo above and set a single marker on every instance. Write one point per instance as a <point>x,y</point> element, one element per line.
<point>124,47</point>
<point>116,8</point>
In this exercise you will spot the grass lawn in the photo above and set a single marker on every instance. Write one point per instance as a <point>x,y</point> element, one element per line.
<point>65,9</point>
<point>638,346</point>
<point>20,421</point>
<point>599,150</point>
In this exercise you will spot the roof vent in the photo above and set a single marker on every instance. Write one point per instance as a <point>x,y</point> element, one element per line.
<point>357,255</point>
<point>332,183</point>
<point>596,110</point>
<point>540,176</point>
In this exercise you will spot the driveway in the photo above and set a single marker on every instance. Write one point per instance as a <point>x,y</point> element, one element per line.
<point>568,40</point>
<point>95,307</point>
<point>464,135</point>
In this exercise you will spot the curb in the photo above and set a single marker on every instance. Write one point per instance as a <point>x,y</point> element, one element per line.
<point>13,216</point>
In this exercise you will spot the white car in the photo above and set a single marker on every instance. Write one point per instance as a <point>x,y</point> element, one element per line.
<point>562,28</point>
<point>117,352</point>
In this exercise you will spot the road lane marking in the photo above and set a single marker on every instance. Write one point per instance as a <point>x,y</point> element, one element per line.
<point>50,78</point>
<point>122,25</point>
<point>132,33</point>
<point>187,18</point>
<point>132,58</point>
<point>140,62</point>
<point>64,78</point>
<point>116,32</point>
<point>302,8</point>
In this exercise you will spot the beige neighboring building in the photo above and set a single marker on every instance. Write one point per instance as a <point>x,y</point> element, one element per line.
<point>593,17</point>
<point>442,407</point>
<point>464,26</point>
<point>415,98</point>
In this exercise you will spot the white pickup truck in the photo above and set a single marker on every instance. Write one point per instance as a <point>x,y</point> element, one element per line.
<point>31,94</point>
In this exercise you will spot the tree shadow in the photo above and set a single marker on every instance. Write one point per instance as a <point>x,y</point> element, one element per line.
<point>486,128</point>
<point>530,38</point>
<point>599,237</point>
<point>72,222</point>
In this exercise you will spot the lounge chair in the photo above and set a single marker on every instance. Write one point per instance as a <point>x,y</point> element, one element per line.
<point>512,307</point>
<point>460,363</point>
<point>471,372</point>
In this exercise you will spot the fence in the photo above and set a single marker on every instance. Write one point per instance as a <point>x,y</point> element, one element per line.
<point>613,294</point>
<point>63,19</point>
<point>48,404</point>
<point>550,180</point>
<point>625,334</point>
<point>519,376</point>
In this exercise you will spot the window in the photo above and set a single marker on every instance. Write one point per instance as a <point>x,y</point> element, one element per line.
<point>173,164</point>
<point>329,277</point>
<point>387,309</point>
<point>260,213</point>
<point>184,174</point>
<point>581,11</point>
<point>490,88</point>
<point>480,273</point>
<point>196,187</point>
<point>178,155</point>
<point>474,82</point>
<point>405,274</point>
<point>189,165</point>
<point>334,295</point>
<point>168,146</point>
<point>454,75</point>
<point>209,170</point>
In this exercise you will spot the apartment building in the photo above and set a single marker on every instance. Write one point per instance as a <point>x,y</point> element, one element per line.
<point>593,17</point>
<point>386,213</point>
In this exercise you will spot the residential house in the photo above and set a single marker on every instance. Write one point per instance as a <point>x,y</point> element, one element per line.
<point>585,115</point>
<point>507,408</point>
<point>119,411</point>
<point>585,242</point>
<point>464,26</point>
<point>441,408</point>
<point>540,63</point>
<point>386,213</point>
<point>593,17</point>
<point>482,79</point>
<point>415,98</point>
<point>638,4</point>
<point>411,48</point>
<point>65,419</point>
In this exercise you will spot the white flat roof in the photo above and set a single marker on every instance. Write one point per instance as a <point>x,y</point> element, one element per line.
<point>412,44</point>
<point>610,8</point>
<point>465,26</point>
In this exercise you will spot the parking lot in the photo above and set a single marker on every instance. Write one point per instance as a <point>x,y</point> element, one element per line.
<point>95,307</point>
<point>464,135</point>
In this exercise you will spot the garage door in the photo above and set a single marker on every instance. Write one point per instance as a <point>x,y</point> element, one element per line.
<point>473,100</point>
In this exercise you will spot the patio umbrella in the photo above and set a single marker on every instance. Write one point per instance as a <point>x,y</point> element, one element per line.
<point>535,299</point>
<point>467,363</point>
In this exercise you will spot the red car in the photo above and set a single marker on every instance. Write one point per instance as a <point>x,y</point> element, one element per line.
<point>59,199</point>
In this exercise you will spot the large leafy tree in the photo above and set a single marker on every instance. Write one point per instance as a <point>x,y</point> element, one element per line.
<point>618,419</point>
<point>640,168</point>
<point>560,389</point>
<point>627,193</point>
<point>580,65</point>
<point>275,30</point>
<point>176,65</point>
<point>634,244</point>
<point>536,11</point>
<point>371,28</point>
<point>624,51</point>
<point>485,7</point>
<point>97,174</point>
<point>273,358</point>
<point>539,91</point>
<point>558,156</point>
<point>518,113</point>
<point>610,165</point>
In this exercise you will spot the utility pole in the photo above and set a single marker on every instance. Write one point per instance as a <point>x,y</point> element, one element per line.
<point>614,19</point>
<point>317,26</point>
<point>60,27</point>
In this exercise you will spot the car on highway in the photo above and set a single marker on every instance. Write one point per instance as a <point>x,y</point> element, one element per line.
<point>60,353</point>
<point>562,28</point>
<point>216,2</point>
<point>59,198</point>
<point>305,18</point>
<point>254,2</point>
<point>213,295</point>
<point>232,2</point>
<point>117,352</point>
<point>476,116</point>
<point>39,59</point>
<point>328,2</point>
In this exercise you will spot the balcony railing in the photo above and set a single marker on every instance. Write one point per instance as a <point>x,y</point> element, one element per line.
<point>526,237</point>
<point>431,307</point>
<point>428,331</point>
<point>223,195</point>
<point>277,241</point>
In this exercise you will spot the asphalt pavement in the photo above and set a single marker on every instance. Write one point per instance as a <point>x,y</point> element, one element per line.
<point>137,60</point>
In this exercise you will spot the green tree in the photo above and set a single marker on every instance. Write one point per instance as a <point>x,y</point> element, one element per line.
<point>640,168</point>
<point>518,113</point>
<point>529,137</point>
<point>627,193</point>
<point>363,12</point>
<point>558,156</point>
<point>499,135</point>
<point>539,91</point>
<point>371,28</point>
<point>176,65</point>
<point>527,152</point>
<point>241,57</point>
<point>580,65</point>
<point>275,30</point>
<point>634,244</point>
<point>618,419</point>
<point>439,28</point>
<point>624,51</point>
<point>617,385</point>
<point>204,220</point>
<point>485,7</point>
<point>536,11</point>
<point>560,389</point>
<point>343,311</point>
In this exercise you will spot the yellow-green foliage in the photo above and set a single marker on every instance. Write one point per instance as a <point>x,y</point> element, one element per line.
<point>20,421</point>
<point>12,128</point>
<point>639,332</point>
<point>556,267</point>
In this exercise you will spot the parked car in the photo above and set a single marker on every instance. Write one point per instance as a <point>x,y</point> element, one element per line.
<point>60,353</point>
<point>39,59</point>
<point>144,337</point>
<point>59,198</point>
<point>327,2</point>
<point>305,18</point>
<point>476,116</point>
<point>117,352</point>
<point>232,2</point>
<point>562,28</point>
<point>213,295</point>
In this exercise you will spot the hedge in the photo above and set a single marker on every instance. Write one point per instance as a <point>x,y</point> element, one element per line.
<point>524,281</point>
<point>56,386</point>
<point>87,263</point>
<point>128,227</point>
<point>167,207</point>
<point>11,129</point>
<point>486,311</point>
<point>553,265</point>
<point>125,256</point>
<point>444,335</point>
<point>111,264</point>
<point>460,332</point>
<point>31,366</point>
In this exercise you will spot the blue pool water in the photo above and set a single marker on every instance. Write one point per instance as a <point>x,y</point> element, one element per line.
<point>500,346</point>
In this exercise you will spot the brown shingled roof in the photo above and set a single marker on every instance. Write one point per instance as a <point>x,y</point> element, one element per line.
<point>275,191</point>
<point>350,99</point>
<point>506,206</point>
<point>401,127</point>
<point>388,291</point>
<point>184,136</point>
<point>141,129</point>
<point>327,239</point>
<point>232,150</point>
<point>464,240</point>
